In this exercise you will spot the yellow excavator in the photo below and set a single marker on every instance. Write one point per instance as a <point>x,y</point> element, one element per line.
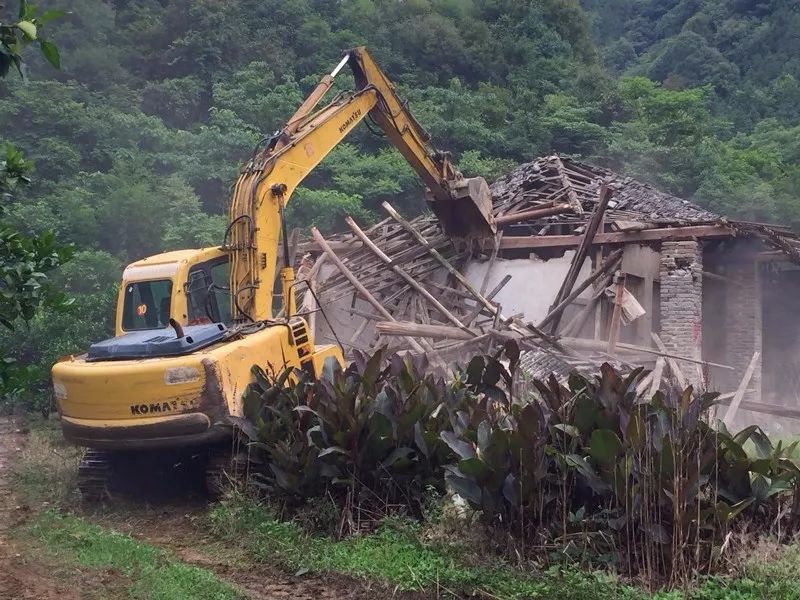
<point>191,324</point>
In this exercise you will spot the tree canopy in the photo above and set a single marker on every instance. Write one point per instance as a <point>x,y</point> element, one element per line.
<point>132,145</point>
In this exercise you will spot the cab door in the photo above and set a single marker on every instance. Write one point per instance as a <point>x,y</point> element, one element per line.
<point>208,293</point>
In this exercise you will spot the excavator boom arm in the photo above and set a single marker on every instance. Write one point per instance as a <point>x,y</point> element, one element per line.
<point>276,168</point>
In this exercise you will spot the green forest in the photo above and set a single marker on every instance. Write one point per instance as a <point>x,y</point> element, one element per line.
<point>129,148</point>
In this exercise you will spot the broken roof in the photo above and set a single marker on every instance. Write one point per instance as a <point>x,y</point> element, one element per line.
<point>409,272</point>
<point>552,178</point>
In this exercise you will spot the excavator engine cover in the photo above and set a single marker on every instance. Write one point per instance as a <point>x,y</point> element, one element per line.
<point>157,343</point>
<point>469,213</point>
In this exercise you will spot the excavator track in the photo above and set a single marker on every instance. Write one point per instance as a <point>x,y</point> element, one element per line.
<point>225,471</point>
<point>94,475</point>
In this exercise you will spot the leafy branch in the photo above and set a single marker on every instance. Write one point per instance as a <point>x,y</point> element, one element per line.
<point>26,30</point>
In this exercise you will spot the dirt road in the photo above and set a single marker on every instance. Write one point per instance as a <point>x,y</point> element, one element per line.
<point>172,528</point>
<point>21,577</point>
<point>171,525</point>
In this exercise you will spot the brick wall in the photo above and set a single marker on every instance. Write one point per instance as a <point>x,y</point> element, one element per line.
<point>681,275</point>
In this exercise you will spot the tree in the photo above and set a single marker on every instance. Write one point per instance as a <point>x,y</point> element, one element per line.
<point>25,261</point>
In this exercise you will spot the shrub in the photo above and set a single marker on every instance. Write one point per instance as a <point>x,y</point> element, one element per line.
<point>368,435</point>
<point>603,474</point>
<point>588,470</point>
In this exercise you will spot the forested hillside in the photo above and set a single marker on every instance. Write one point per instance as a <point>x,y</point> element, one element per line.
<point>743,58</point>
<point>137,138</point>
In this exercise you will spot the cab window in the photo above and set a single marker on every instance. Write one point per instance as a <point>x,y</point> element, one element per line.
<point>207,293</point>
<point>220,276</point>
<point>147,305</point>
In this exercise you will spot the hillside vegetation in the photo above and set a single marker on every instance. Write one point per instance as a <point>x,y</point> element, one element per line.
<point>136,139</point>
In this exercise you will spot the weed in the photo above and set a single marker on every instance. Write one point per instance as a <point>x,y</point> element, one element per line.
<point>401,553</point>
<point>47,467</point>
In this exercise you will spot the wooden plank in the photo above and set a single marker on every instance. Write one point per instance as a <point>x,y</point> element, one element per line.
<point>574,327</point>
<point>575,203</point>
<point>616,316</point>
<point>533,214</point>
<point>722,278</point>
<point>405,276</point>
<point>523,328</point>
<point>459,345</point>
<point>359,330</point>
<point>658,372</point>
<point>493,258</point>
<point>620,237</point>
<point>404,328</point>
<point>673,366</point>
<point>622,225</point>
<point>595,224</point>
<point>357,284</point>
<point>600,345</point>
<point>608,263</point>
<point>480,308</point>
<point>740,391</point>
<point>644,383</point>
<point>582,252</point>
<point>334,245</point>
<point>760,407</point>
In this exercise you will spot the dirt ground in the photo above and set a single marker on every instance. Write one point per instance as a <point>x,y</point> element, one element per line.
<point>20,576</point>
<point>170,527</point>
<point>170,524</point>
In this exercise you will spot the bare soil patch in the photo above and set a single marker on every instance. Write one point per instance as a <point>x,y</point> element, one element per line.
<point>174,527</point>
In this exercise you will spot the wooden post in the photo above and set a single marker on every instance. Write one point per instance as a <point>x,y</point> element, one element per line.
<point>404,328</point>
<point>673,366</point>
<point>583,251</point>
<point>496,290</point>
<point>616,316</point>
<point>609,263</point>
<point>600,345</point>
<point>740,391</point>
<point>527,328</point>
<point>493,258</point>
<point>534,213</point>
<point>592,310</point>
<point>309,304</point>
<point>658,372</point>
<point>322,243</point>
<point>571,195</point>
<point>405,276</point>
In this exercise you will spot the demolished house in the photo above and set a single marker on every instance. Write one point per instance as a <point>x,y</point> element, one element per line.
<point>587,265</point>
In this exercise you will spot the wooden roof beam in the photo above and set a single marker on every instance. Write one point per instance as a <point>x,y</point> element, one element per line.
<point>621,237</point>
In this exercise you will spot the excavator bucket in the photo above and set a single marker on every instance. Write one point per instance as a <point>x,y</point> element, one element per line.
<point>467,213</point>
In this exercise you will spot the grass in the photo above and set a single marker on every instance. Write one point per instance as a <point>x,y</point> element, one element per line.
<point>398,553</point>
<point>152,572</point>
<point>45,470</point>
